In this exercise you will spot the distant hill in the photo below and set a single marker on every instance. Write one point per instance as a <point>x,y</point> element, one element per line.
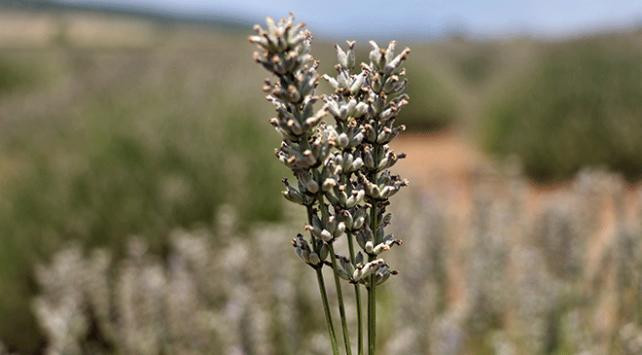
<point>219,22</point>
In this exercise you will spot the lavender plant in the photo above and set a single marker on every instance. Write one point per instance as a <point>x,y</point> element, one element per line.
<point>341,169</point>
<point>229,291</point>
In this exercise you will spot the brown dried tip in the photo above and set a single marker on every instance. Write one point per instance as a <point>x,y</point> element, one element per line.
<point>306,33</point>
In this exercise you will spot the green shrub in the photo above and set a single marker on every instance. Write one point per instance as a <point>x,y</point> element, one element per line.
<point>578,106</point>
<point>474,62</point>
<point>14,75</point>
<point>432,103</point>
<point>126,159</point>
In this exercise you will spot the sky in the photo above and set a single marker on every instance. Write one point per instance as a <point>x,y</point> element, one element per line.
<point>419,19</point>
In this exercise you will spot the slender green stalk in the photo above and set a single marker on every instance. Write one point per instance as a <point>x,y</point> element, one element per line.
<point>372,289</point>
<point>372,316</point>
<point>342,311</point>
<point>324,297</point>
<point>357,294</point>
<point>337,282</point>
<point>326,309</point>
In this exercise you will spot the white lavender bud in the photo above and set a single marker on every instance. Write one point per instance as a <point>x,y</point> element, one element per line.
<point>360,109</point>
<point>357,83</point>
<point>359,218</point>
<point>326,236</point>
<point>294,195</point>
<point>367,269</point>
<point>393,64</point>
<point>328,184</point>
<point>343,140</point>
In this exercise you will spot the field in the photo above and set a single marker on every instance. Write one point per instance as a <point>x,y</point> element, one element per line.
<point>501,275</point>
<point>140,209</point>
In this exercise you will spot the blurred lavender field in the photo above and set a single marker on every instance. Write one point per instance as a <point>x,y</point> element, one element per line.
<point>507,276</point>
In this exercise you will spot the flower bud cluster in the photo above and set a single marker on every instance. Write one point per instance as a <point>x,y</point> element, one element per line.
<point>364,105</point>
<point>341,168</point>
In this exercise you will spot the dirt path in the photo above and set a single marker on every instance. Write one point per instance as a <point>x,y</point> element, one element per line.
<point>438,158</point>
<point>448,165</point>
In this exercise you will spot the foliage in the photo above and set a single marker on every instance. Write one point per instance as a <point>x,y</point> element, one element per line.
<point>579,106</point>
<point>15,75</point>
<point>505,295</point>
<point>474,61</point>
<point>434,104</point>
<point>126,156</point>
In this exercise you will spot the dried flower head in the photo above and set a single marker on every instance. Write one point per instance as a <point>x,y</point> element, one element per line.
<point>342,168</point>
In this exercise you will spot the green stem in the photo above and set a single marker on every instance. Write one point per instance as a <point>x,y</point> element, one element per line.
<point>358,297</point>
<point>372,316</point>
<point>342,311</point>
<point>326,309</point>
<point>324,298</point>
<point>337,281</point>
<point>372,296</point>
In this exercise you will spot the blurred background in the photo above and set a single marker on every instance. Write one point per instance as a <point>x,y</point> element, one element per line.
<point>139,196</point>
